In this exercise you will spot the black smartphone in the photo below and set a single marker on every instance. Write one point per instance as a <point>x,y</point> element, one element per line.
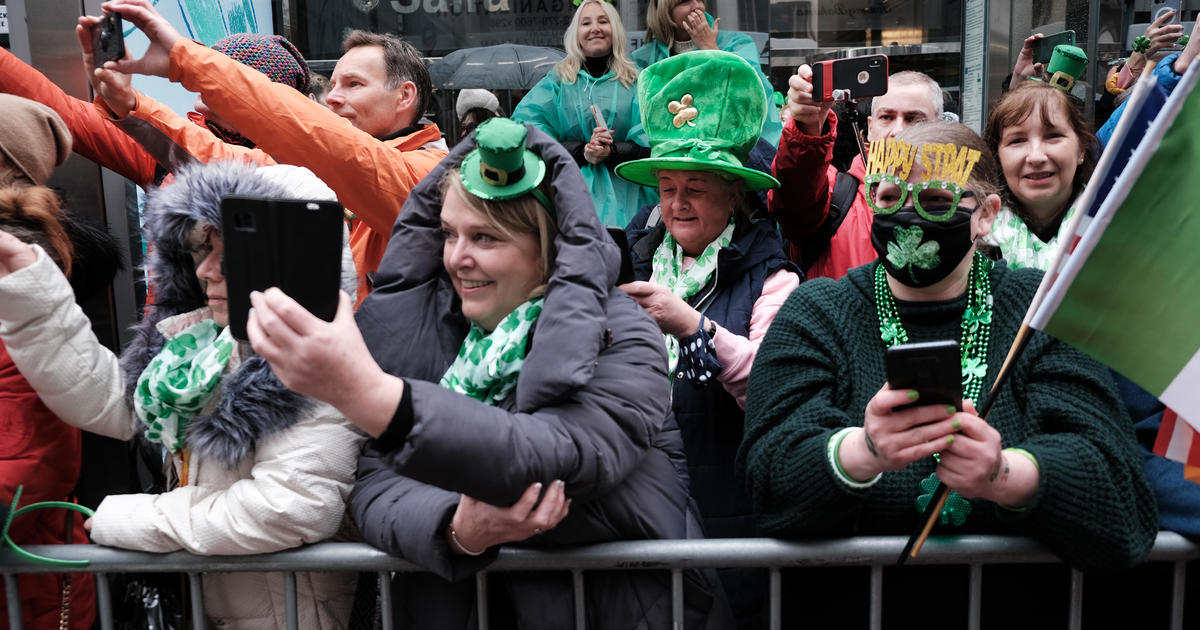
<point>847,79</point>
<point>1043,48</point>
<point>108,40</point>
<point>933,368</point>
<point>626,273</point>
<point>292,244</point>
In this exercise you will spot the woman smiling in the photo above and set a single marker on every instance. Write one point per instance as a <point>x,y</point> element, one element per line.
<point>515,395</point>
<point>1047,152</point>
<point>710,275</point>
<point>596,72</point>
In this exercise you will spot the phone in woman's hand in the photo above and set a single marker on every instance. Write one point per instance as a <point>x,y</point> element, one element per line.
<point>933,368</point>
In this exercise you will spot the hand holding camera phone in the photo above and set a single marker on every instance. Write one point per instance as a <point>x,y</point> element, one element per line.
<point>849,79</point>
<point>108,40</point>
<point>1043,49</point>
<point>291,244</point>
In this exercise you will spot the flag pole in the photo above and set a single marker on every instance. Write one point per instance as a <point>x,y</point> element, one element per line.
<point>934,509</point>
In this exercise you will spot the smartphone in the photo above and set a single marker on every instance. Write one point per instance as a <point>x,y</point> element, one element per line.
<point>108,40</point>
<point>292,244</point>
<point>849,79</point>
<point>598,117</point>
<point>933,368</point>
<point>1043,48</point>
<point>626,273</point>
<point>1159,7</point>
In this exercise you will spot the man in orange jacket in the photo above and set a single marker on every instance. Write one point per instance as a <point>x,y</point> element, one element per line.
<point>369,146</point>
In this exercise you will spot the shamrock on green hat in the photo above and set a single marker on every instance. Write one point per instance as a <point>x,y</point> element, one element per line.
<point>703,111</point>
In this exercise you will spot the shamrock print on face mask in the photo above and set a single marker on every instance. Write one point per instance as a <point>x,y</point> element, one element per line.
<point>908,250</point>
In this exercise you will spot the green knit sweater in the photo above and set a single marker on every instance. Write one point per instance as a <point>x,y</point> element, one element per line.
<point>821,362</point>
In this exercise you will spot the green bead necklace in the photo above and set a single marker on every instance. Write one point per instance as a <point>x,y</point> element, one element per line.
<point>976,333</point>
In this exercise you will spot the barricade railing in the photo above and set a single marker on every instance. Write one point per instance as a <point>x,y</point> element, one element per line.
<point>674,556</point>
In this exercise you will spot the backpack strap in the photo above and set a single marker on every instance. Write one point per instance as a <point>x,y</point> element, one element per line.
<point>841,199</point>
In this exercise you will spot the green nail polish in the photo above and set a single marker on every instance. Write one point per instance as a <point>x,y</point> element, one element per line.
<point>912,395</point>
<point>949,439</point>
<point>950,409</point>
<point>956,424</point>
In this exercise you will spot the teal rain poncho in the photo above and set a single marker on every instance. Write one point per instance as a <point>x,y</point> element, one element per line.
<point>737,43</point>
<point>563,110</point>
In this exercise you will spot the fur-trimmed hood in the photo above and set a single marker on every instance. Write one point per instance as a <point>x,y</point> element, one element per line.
<point>253,403</point>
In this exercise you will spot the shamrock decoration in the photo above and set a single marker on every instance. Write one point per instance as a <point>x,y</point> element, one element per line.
<point>683,110</point>
<point>956,509</point>
<point>1141,44</point>
<point>973,367</point>
<point>908,250</point>
<point>893,333</point>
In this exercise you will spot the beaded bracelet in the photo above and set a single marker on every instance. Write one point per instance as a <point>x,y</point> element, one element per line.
<point>831,449</point>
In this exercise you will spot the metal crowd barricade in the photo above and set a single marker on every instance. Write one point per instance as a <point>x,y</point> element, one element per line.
<point>674,556</point>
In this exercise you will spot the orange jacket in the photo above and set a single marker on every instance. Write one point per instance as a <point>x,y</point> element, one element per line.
<point>372,178</point>
<point>93,134</point>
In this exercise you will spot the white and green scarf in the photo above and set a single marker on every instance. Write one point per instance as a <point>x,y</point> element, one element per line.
<point>488,364</point>
<point>1019,245</point>
<point>178,382</point>
<point>667,265</point>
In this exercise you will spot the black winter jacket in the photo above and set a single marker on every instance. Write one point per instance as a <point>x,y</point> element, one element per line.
<point>590,408</point>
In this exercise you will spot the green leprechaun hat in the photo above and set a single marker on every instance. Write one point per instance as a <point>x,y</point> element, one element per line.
<point>501,167</point>
<point>703,111</point>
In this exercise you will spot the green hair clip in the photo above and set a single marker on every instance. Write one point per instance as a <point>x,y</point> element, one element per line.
<point>13,513</point>
<point>1141,44</point>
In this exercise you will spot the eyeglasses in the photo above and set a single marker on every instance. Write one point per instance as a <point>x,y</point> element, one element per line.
<point>934,200</point>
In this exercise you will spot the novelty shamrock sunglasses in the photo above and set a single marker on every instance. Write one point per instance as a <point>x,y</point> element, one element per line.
<point>887,193</point>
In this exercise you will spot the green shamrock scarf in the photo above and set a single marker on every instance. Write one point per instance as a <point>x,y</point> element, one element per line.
<point>488,364</point>
<point>178,382</point>
<point>667,265</point>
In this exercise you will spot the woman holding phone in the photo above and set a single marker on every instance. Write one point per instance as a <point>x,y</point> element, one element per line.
<point>827,452</point>
<point>588,102</point>
<point>514,394</point>
<point>251,466</point>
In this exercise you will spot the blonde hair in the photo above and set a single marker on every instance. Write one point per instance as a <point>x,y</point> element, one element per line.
<point>659,25</point>
<point>522,215</point>
<point>568,68</point>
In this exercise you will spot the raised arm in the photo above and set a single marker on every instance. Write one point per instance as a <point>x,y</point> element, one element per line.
<point>52,344</point>
<point>802,164</point>
<point>93,134</point>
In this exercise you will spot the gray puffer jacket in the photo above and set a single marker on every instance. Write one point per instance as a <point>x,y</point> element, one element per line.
<point>590,408</point>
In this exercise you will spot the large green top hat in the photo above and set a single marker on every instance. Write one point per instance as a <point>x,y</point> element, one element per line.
<point>704,111</point>
<point>501,167</point>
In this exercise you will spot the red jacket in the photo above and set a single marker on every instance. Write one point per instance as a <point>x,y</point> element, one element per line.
<point>801,203</point>
<point>40,452</point>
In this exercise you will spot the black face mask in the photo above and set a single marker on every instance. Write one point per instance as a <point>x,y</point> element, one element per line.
<point>919,252</point>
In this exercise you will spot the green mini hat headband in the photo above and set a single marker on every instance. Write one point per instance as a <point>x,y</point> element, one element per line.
<point>703,111</point>
<point>501,167</point>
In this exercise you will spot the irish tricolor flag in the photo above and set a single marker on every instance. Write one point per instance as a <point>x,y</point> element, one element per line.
<point>1127,289</point>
